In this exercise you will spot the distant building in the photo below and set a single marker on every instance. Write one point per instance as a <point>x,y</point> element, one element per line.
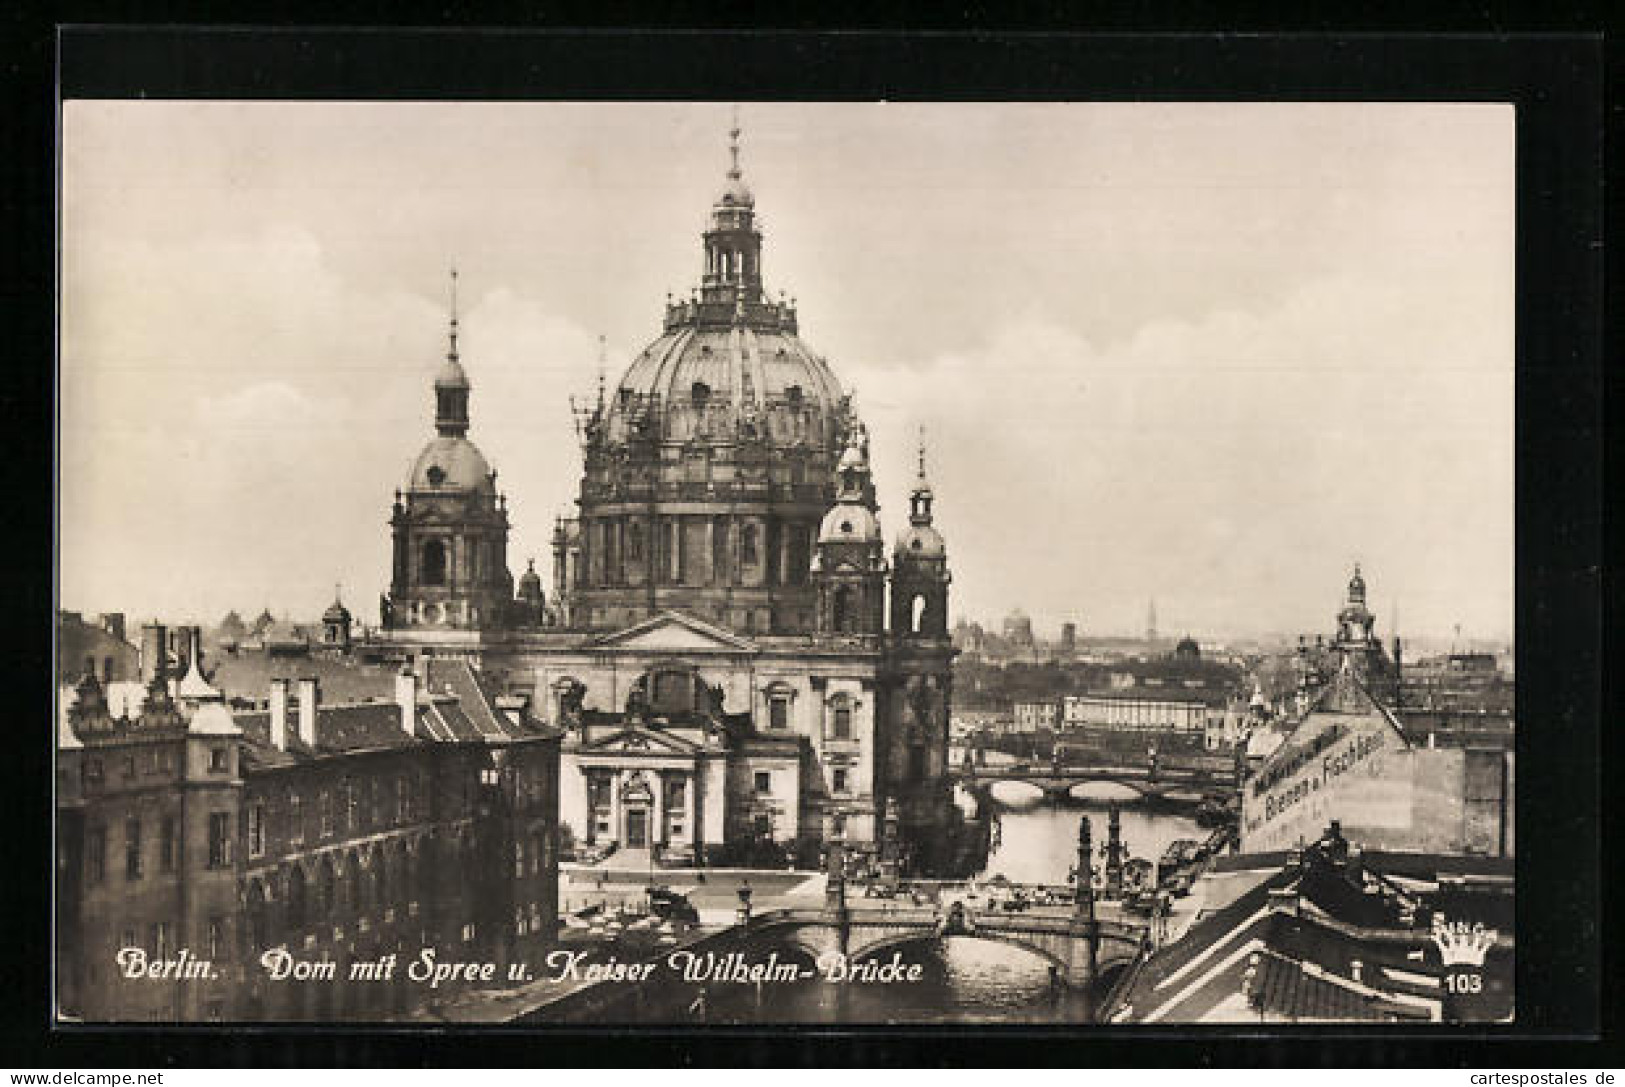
<point>1069,638</point>
<point>1348,758</point>
<point>1136,710</point>
<point>1018,630</point>
<point>342,833</point>
<point>97,645</point>
<point>1032,716</point>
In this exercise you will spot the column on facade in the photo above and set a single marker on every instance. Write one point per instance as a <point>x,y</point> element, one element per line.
<point>691,825</point>
<point>615,829</point>
<point>657,813</point>
<point>710,551</point>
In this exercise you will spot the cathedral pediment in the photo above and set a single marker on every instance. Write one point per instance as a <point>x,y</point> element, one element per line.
<point>638,740</point>
<point>674,631</point>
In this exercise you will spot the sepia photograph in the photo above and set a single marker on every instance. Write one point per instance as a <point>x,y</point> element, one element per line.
<point>686,563</point>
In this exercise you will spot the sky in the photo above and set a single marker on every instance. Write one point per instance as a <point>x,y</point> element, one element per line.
<point>1206,354</point>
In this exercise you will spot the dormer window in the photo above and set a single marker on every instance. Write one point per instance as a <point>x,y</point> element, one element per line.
<point>700,394</point>
<point>793,393</point>
<point>437,475</point>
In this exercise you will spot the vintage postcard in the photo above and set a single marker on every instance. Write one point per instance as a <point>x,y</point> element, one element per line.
<point>653,563</point>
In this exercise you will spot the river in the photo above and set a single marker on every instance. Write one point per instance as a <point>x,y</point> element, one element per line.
<point>968,980</point>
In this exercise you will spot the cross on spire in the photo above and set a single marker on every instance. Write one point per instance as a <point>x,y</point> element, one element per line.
<point>452,354</point>
<point>602,354</point>
<point>733,144</point>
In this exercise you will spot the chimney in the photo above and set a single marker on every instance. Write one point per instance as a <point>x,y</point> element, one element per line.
<point>113,623</point>
<point>308,696</point>
<point>154,650</point>
<point>279,713</point>
<point>406,696</point>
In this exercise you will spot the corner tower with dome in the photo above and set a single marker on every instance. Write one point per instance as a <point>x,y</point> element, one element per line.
<point>716,644</point>
<point>450,524</point>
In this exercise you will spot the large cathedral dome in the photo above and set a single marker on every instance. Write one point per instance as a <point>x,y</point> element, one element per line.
<point>749,379</point>
<point>711,465</point>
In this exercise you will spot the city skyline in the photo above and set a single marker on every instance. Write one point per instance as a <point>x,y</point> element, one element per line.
<point>1241,347</point>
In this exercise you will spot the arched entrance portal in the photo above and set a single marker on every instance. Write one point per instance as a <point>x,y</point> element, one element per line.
<point>637,811</point>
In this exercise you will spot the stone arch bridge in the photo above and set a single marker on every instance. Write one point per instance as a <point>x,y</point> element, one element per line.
<point>1057,783</point>
<point>1073,940</point>
<point>1081,949</point>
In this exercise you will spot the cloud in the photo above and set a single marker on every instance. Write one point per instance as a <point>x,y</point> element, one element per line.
<point>1230,466</point>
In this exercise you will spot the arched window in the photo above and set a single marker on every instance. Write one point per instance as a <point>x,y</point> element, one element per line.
<point>434,563</point>
<point>403,874</point>
<point>747,545</point>
<point>296,899</point>
<point>326,888</point>
<point>358,885</point>
<point>844,619</point>
<point>842,714</point>
<point>917,613</point>
<point>380,878</point>
<point>107,669</point>
<point>673,692</point>
<point>256,916</point>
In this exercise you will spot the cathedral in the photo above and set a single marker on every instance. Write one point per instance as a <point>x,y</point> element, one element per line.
<point>739,667</point>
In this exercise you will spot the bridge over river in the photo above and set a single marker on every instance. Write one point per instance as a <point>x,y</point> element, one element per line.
<point>1189,784</point>
<point>1072,939</point>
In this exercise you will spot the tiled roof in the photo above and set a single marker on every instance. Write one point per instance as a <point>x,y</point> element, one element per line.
<point>1315,927</point>
<point>353,727</point>
<point>1286,989</point>
<point>248,675</point>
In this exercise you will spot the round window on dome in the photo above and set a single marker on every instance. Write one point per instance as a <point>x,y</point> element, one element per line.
<point>846,526</point>
<point>437,475</point>
<point>915,545</point>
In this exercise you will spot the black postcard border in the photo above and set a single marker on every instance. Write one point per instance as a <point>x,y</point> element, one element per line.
<point>1556,82</point>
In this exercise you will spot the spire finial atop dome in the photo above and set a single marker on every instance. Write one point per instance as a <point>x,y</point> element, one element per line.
<point>733,145</point>
<point>451,383</point>
<point>452,354</point>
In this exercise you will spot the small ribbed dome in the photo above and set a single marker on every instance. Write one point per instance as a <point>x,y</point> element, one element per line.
<point>737,194</point>
<point>530,579</point>
<point>849,522</point>
<point>451,375</point>
<point>452,464</point>
<point>336,613</point>
<point>921,542</point>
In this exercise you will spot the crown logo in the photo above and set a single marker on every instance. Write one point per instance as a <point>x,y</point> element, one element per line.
<point>1461,944</point>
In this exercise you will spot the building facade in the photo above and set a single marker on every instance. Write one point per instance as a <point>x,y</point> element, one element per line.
<point>214,844</point>
<point>732,654</point>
